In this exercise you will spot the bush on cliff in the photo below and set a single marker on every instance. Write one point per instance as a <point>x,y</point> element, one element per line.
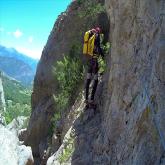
<point>68,73</point>
<point>91,9</point>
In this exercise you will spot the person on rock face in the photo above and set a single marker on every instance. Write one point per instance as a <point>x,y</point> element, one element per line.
<point>92,71</point>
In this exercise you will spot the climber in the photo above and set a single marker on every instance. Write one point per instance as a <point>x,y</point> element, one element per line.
<point>92,52</point>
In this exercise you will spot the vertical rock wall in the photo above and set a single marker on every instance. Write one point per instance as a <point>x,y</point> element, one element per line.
<point>2,103</point>
<point>135,90</point>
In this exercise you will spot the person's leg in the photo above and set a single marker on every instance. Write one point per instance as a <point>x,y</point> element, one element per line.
<point>94,87</point>
<point>95,71</point>
<point>88,79</point>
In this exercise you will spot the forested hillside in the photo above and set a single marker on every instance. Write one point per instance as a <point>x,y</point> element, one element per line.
<point>17,98</point>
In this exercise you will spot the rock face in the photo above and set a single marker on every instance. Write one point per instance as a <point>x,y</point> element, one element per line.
<point>67,32</point>
<point>128,126</point>
<point>132,112</point>
<point>26,157</point>
<point>2,103</point>
<point>17,124</point>
<point>65,151</point>
<point>12,153</point>
<point>135,83</point>
<point>2,98</point>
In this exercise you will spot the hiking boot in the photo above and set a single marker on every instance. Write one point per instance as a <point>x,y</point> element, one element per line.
<point>86,101</point>
<point>91,102</point>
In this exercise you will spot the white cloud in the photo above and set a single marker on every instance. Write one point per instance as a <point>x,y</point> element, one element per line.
<point>29,52</point>
<point>30,39</point>
<point>17,33</point>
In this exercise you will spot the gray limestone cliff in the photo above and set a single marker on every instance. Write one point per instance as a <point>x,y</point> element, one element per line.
<point>2,102</point>
<point>12,152</point>
<point>128,125</point>
<point>2,98</point>
<point>134,111</point>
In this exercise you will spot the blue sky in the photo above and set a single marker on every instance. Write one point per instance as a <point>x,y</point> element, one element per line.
<point>26,24</point>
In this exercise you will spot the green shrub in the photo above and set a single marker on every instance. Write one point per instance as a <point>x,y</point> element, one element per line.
<point>68,151</point>
<point>69,73</point>
<point>13,111</point>
<point>91,9</point>
<point>106,48</point>
<point>80,2</point>
<point>53,123</point>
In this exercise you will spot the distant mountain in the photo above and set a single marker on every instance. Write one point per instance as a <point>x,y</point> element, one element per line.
<point>17,65</point>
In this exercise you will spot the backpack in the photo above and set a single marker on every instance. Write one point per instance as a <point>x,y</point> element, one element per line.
<point>89,43</point>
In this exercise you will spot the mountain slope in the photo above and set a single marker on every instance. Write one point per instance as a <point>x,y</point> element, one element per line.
<point>15,91</point>
<point>17,65</point>
<point>11,52</point>
<point>17,98</point>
